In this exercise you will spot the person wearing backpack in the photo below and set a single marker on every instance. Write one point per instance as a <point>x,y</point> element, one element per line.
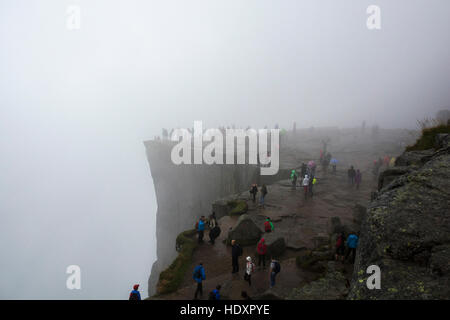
<point>201,229</point>
<point>236,252</point>
<point>340,247</point>
<point>214,233</point>
<point>352,244</point>
<point>275,268</point>
<point>249,269</point>
<point>268,225</point>
<point>134,294</point>
<point>215,294</point>
<point>199,276</point>
<point>261,249</point>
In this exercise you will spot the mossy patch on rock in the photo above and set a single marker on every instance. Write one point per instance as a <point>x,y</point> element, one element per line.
<point>238,207</point>
<point>171,278</point>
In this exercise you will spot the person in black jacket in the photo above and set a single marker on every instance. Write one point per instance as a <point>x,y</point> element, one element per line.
<point>214,234</point>
<point>236,252</point>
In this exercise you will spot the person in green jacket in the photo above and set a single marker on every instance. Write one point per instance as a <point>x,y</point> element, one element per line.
<point>293,178</point>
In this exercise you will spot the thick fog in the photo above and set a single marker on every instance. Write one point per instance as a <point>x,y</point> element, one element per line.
<point>76,105</point>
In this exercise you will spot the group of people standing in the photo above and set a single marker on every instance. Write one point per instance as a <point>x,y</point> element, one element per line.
<point>254,191</point>
<point>346,246</point>
<point>354,177</point>
<point>214,229</point>
<point>307,181</point>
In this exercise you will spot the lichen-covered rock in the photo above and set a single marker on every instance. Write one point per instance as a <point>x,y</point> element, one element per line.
<point>245,232</point>
<point>407,234</point>
<point>275,244</point>
<point>331,287</point>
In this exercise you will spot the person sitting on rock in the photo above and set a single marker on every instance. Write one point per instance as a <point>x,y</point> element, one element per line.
<point>268,225</point>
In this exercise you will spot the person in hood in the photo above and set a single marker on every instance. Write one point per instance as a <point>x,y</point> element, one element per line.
<point>134,294</point>
<point>199,276</point>
<point>305,185</point>
<point>249,269</point>
<point>261,249</point>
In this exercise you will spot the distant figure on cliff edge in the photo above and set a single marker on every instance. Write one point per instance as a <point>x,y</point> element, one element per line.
<point>199,276</point>
<point>201,229</point>
<point>352,244</point>
<point>254,191</point>
<point>358,178</point>
<point>293,178</point>
<point>134,294</point>
<point>305,185</point>
<point>275,268</point>
<point>236,252</point>
<point>261,249</point>
<point>249,269</point>
<point>263,195</point>
<point>268,225</point>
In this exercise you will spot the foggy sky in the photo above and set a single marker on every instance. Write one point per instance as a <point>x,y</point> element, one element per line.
<point>76,105</point>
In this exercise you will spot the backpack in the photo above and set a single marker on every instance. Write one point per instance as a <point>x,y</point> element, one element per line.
<point>133,296</point>
<point>267,226</point>
<point>198,273</point>
<point>196,225</point>
<point>277,268</point>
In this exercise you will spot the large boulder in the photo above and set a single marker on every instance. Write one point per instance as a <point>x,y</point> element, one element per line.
<point>245,232</point>
<point>407,233</point>
<point>275,244</point>
<point>410,158</point>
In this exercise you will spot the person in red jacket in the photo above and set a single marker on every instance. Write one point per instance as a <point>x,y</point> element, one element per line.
<point>261,249</point>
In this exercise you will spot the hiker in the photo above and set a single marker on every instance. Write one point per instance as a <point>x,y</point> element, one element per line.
<point>214,233</point>
<point>263,194</point>
<point>352,244</point>
<point>215,294</point>
<point>236,252</point>
<point>261,249</point>
<point>312,182</point>
<point>249,269</point>
<point>199,276</point>
<point>254,191</point>
<point>212,220</point>
<point>358,177</point>
<point>303,170</point>
<point>351,175</point>
<point>275,268</point>
<point>201,229</point>
<point>134,294</point>
<point>245,296</point>
<point>386,161</point>
<point>293,178</point>
<point>305,185</point>
<point>340,247</point>
<point>268,225</point>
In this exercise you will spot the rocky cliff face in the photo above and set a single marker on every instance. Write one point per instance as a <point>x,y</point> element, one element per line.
<point>185,192</point>
<point>406,230</point>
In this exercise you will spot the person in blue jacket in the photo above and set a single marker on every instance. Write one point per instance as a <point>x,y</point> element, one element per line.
<point>352,244</point>
<point>199,276</point>
<point>201,229</point>
<point>134,294</point>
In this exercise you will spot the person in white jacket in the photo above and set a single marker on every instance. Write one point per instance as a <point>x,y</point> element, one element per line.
<point>249,269</point>
<point>305,185</point>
